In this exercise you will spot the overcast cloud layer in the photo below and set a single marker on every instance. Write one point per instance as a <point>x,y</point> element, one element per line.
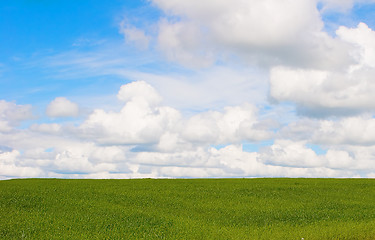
<point>260,88</point>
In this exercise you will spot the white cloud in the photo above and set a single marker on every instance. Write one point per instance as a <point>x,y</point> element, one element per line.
<point>52,128</point>
<point>346,144</point>
<point>339,159</point>
<point>144,138</point>
<point>291,153</point>
<point>230,161</point>
<point>265,32</point>
<point>353,130</point>
<point>173,156</point>
<point>62,107</point>
<point>141,120</point>
<point>140,92</point>
<point>182,42</point>
<point>347,160</point>
<point>12,114</point>
<point>363,38</point>
<point>69,162</point>
<point>135,35</point>
<point>322,92</point>
<point>10,169</point>
<point>236,124</point>
<point>346,131</point>
<point>267,22</point>
<point>335,92</point>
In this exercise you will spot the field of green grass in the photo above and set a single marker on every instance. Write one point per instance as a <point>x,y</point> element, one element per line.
<point>188,209</point>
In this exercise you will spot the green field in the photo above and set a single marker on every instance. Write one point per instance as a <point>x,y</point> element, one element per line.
<point>188,209</point>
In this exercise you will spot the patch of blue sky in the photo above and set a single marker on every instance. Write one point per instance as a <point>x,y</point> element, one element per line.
<point>219,146</point>
<point>317,149</point>
<point>364,13</point>
<point>38,81</point>
<point>47,24</point>
<point>256,146</point>
<point>50,41</point>
<point>359,13</point>
<point>142,148</point>
<point>70,121</point>
<point>283,112</point>
<point>333,20</point>
<point>49,149</point>
<point>37,89</point>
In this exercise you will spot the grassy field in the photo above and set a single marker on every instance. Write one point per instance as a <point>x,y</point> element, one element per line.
<point>188,209</point>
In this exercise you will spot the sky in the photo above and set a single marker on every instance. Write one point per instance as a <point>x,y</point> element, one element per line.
<point>187,89</point>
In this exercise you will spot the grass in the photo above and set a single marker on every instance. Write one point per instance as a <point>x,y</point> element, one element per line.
<point>188,209</point>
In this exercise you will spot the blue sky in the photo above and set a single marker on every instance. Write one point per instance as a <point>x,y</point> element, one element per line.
<point>34,31</point>
<point>160,88</point>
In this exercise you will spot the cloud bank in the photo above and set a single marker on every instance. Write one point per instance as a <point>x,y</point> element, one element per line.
<point>148,139</point>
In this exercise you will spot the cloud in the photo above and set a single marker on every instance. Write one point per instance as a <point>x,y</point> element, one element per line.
<point>347,144</point>
<point>144,138</point>
<point>67,156</point>
<point>88,160</point>
<point>234,125</point>
<point>52,128</point>
<point>183,43</point>
<point>148,139</point>
<point>140,92</point>
<point>143,120</point>
<point>334,92</point>
<point>12,114</point>
<point>322,93</point>
<point>358,130</point>
<point>347,160</point>
<point>345,131</point>
<point>363,38</point>
<point>135,36</point>
<point>69,162</point>
<point>230,161</point>
<point>62,107</point>
<point>198,34</point>
<point>292,154</point>
<point>9,168</point>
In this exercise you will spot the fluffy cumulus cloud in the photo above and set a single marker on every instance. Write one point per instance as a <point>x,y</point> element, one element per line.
<point>141,120</point>
<point>263,32</point>
<point>62,107</point>
<point>332,92</point>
